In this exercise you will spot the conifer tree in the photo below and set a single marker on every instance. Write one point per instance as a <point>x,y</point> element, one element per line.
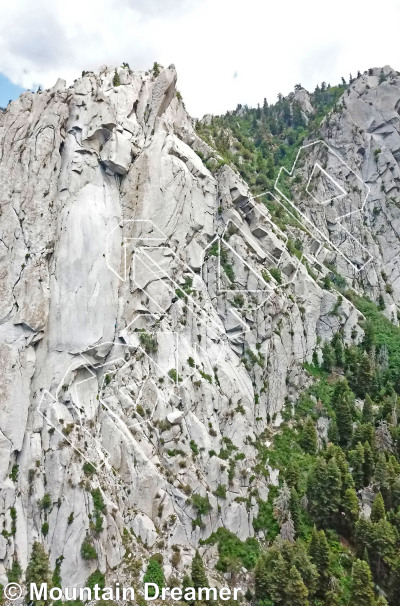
<point>292,474</point>
<point>356,460</point>
<point>333,432</point>
<point>296,591</point>
<point>187,583</point>
<point>320,554</point>
<point>378,509</point>
<point>362,593</point>
<point>369,464</point>
<point>38,570</point>
<point>154,574</point>
<point>351,507</point>
<point>288,531</point>
<point>337,344</point>
<point>342,400</point>
<point>116,78</point>
<point>199,576</point>
<point>328,356</point>
<point>394,583</point>
<point>365,375</point>
<point>295,509</point>
<point>308,439</point>
<point>367,413</point>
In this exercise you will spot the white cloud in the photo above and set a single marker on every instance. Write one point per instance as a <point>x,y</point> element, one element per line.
<point>226,51</point>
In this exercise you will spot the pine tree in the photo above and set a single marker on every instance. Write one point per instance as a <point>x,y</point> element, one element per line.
<point>378,509</point>
<point>296,591</point>
<point>295,509</point>
<point>365,374</point>
<point>367,414</point>
<point>328,356</point>
<point>333,432</point>
<point>362,593</point>
<point>270,576</point>
<point>282,504</point>
<point>369,336</point>
<point>292,474</point>
<point>383,438</point>
<point>320,554</point>
<point>394,583</point>
<point>199,576</point>
<point>356,460</point>
<point>309,439</point>
<point>369,464</point>
<point>116,78</point>
<point>351,507</point>
<point>288,532</point>
<point>334,486</point>
<point>186,583</point>
<point>337,344</point>
<point>324,489</point>
<point>343,402</point>
<point>154,574</point>
<point>38,570</point>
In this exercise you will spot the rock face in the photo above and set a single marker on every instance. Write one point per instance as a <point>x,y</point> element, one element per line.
<point>153,319</point>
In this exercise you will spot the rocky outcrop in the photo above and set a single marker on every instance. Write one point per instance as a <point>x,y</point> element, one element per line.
<point>153,319</point>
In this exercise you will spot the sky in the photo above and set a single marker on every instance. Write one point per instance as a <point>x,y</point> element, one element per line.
<point>226,51</point>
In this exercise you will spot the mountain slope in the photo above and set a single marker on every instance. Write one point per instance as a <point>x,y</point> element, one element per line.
<point>155,316</point>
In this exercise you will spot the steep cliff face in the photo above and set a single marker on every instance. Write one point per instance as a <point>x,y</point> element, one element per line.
<point>154,318</point>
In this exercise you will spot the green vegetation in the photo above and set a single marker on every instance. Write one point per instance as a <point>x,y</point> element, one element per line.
<point>232,550</point>
<point>258,141</point>
<point>116,79</point>
<point>14,473</point>
<point>148,342</point>
<point>331,554</point>
<point>38,570</point>
<point>96,578</point>
<point>154,574</point>
<point>45,502</point>
<point>88,469</point>
<point>88,552</point>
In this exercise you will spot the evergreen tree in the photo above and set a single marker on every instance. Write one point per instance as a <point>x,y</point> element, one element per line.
<point>369,336</point>
<point>186,583</point>
<point>38,570</point>
<point>362,593</point>
<point>199,576</point>
<point>282,504</point>
<point>343,402</point>
<point>288,531</point>
<point>367,414</point>
<point>324,490</point>
<point>295,509</point>
<point>320,555</point>
<point>296,591</point>
<point>333,432</point>
<point>337,344</point>
<point>378,508</point>
<point>394,584</point>
<point>116,79</point>
<point>270,576</point>
<point>383,437</point>
<point>365,375</point>
<point>351,507</point>
<point>308,438</point>
<point>357,460</point>
<point>292,474</point>
<point>328,357</point>
<point>369,464</point>
<point>154,574</point>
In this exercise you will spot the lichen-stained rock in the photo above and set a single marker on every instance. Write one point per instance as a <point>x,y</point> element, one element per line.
<point>152,318</point>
